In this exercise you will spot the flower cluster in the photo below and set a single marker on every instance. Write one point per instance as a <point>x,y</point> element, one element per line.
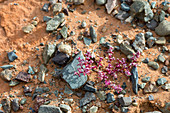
<point>111,70</point>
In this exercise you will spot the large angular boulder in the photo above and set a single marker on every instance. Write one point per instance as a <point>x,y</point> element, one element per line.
<point>163,28</point>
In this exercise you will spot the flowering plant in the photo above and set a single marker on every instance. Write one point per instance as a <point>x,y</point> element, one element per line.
<point>104,72</point>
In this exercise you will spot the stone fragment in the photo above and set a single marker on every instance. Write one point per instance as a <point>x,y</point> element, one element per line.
<point>150,97</point>
<point>165,109</point>
<point>23,101</point>
<point>125,101</point>
<point>41,74</point>
<point>45,7</point>
<point>88,97</point>
<point>126,49</point>
<point>152,24</point>
<point>15,104</point>
<point>12,56</point>
<point>166,86</point>
<point>78,2</point>
<point>134,79</point>
<point>161,58</point>
<point>100,2</point>
<point>27,89</point>
<point>65,48</point>
<point>46,18</point>
<point>163,28</point>
<point>146,60</point>
<point>139,42</point>
<point>164,70</point>
<point>110,98</point>
<point>93,34</point>
<point>110,5</point>
<point>60,58</point>
<point>22,76</point>
<point>151,41</point>
<point>38,102</point>
<point>119,39</point>
<point>49,109</point>
<point>101,95</point>
<point>63,32</point>
<point>154,65</point>
<point>89,88</point>
<point>57,7</point>
<point>161,81</point>
<point>83,24</point>
<point>6,105</point>
<point>28,28</point>
<point>6,66</point>
<point>150,88</point>
<point>30,70</point>
<point>93,109</point>
<point>65,108</point>
<point>160,41</point>
<point>125,7</point>
<point>122,15</point>
<point>68,75</point>
<point>87,41</point>
<point>162,16</point>
<point>68,91</point>
<point>13,83</point>
<point>146,79</point>
<point>6,74</point>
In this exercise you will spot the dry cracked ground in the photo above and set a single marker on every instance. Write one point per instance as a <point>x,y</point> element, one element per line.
<point>30,72</point>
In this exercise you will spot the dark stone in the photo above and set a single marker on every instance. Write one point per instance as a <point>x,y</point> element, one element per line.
<point>148,35</point>
<point>6,105</point>
<point>93,34</point>
<point>146,60</point>
<point>22,76</point>
<point>15,104</point>
<point>60,58</point>
<point>110,98</point>
<point>65,108</point>
<point>65,11</point>
<point>134,79</point>
<point>87,98</point>
<point>6,66</point>
<point>125,101</point>
<point>161,81</point>
<point>152,24</point>
<point>122,15</point>
<point>46,18</point>
<point>12,56</point>
<point>125,7</point>
<point>164,70</point>
<point>91,83</point>
<point>124,85</point>
<point>45,7</point>
<point>27,89</point>
<point>126,49</point>
<point>89,88</point>
<point>69,76</point>
<point>49,109</point>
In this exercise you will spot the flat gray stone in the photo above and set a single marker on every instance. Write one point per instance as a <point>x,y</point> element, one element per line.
<point>65,108</point>
<point>139,42</point>
<point>6,74</point>
<point>100,2</point>
<point>126,49</point>
<point>154,65</point>
<point>110,5</point>
<point>41,74</point>
<point>88,97</point>
<point>57,7</point>
<point>49,109</point>
<point>163,28</point>
<point>63,31</point>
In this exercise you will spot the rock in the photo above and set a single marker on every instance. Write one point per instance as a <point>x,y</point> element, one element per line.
<point>122,15</point>
<point>154,112</point>
<point>102,40</point>
<point>161,81</point>
<point>124,109</point>
<point>65,48</point>
<point>63,32</point>
<point>134,79</point>
<point>45,7</point>
<point>153,4</point>
<point>28,28</point>
<point>88,97</point>
<point>166,86</point>
<point>6,66</point>
<point>101,95</point>
<point>146,79</point>
<point>126,49</point>
<point>164,70</point>
<point>83,24</point>
<point>48,52</point>
<point>60,58</point>
<point>15,104</point>
<point>110,5</point>
<point>49,109</point>
<point>161,58</point>
<point>57,7</point>
<point>46,18</point>
<point>154,65</point>
<point>65,108</point>
<point>40,101</point>
<point>148,35</point>
<point>150,88</point>
<point>146,60</point>
<point>162,16</point>
<point>151,41</point>
<point>6,105</point>
<point>119,39</point>
<point>87,41</point>
<point>13,83</point>
<point>110,98</point>
<point>89,88</point>
<point>22,76</point>
<point>125,7</point>
<point>68,91</point>
<point>161,41</point>
<point>78,2</point>
<point>27,89</point>
<point>100,2</point>
<point>163,28</point>
<point>129,19</point>
<point>41,74</point>
<point>54,23</point>
<point>150,97</point>
<point>152,24</point>
<point>139,42</point>
<point>142,10</point>
<point>142,86</point>
<point>125,101</point>
<point>1,111</point>
<point>6,74</point>
<point>93,109</point>
<point>12,56</point>
<point>165,109</point>
<point>30,70</point>
<point>23,101</point>
<point>93,34</point>
<point>68,73</point>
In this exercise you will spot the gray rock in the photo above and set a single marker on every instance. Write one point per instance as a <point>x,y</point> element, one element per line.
<point>28,28</point>
<point>139,42</point>
<point>154,112</point>
<point>57,7</point>
<point>87,41</point>
<point>49,109</point>
<point>48,52</point>
<point>100,2</point>
<point>101,95</point>
<point>30,70</point>
<point>164,70</point>
<point>146,79</point>
<point>6,74</point>
<point>65,108</point>
<point>150,97</point>
<point>93,109</point>
<point>125,7</point>
<point>125,101</point>
<point>41,74</point>
<point>63,32</point>
<point>153,4</point>
<point>102,40</point>
<point>13,83</point>
<point>110,98</point>
<point>23,76</point>
<point>161,58</point>
<point>68,73</point>
<point>154,65</point>
<point>6,105</point>
<point>78,2</point>
<point>45,7</point>
<point>122,15</point>
<point>46,18</point>
<point>124,109</point>
<point>142,86</point>
<point>148,35</point>
<point>83,24</point>
<point>163,28</point>
<point>166,86</point>
<point>146,60</point>
<point>89,88</point>
<point>166,108</point>
<point>68,91</point>
<point>6,66</point>
<point>15,104</point>
<point>151,41</point>
<point>88,97</point>
<point>54,23</point>
<point>60,58</point>
<point>150,88</point>
<point>152,24</point>
<point>110,5</point>
<point>134,79</point>
<point>161,41</point>
<point>23,101</point>
<point>119,39</point>
<point>93,34</point>
<point>126,49</point>
<point>162,16</point>
<point>161,81</point>
<point>12,56</point>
